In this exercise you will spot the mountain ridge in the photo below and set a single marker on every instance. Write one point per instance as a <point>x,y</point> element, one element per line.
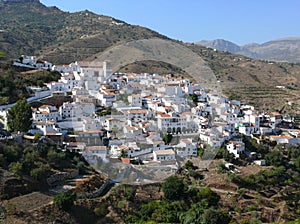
<point>282,49</point>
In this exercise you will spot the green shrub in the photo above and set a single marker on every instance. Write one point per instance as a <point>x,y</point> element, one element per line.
<point>173,187</point>
<point>101,211</point>
<point>65,200</point>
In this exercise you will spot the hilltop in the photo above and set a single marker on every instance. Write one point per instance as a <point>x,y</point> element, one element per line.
<point>29,27</point>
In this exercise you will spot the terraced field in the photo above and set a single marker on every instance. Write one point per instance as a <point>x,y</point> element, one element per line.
<point>264,98</point>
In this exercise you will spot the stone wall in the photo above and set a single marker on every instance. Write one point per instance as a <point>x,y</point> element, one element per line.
<point>61,176</point>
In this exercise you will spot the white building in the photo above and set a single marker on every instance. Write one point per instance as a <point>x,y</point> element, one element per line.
<point>91,124</point>
<point>71,111</point>
<point>135,100</point>
<point>164,155</point>
<point>46,112</point>
<point>237,148</point>
<point>114,123</point>
<point>171,90</point>
<point>284,139</point>
<point>45,128</point>
<point>32,62</point>
<point>106,98</point>
<point>56,86</point>
<point>138,114</point>
<point>186,148</point>
<point>247,129</point>
<point>171,123</point>
<point>94,153</point>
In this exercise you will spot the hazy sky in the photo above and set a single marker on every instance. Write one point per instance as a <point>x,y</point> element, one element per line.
<point>239,21</point>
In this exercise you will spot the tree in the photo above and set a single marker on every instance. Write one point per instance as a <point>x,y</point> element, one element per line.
<point>64,201</point>
<point>194,98</point>
<point>194,214</point>
<point>101,210</point>
<point>297,163</point>
<point>55,157</point>
<point>275,158</point>
<point>173,187</point>
<point>19,117</point>
<point>167,138</point>
<point>189,165</point>
<point>41,172</point>
<point>16,168</point>
<point>37,136</point>
<point>209,196</point>
<point>2,54</point>
<point>213,216</point>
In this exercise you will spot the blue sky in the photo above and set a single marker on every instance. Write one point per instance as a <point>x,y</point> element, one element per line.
<point>239,21</point>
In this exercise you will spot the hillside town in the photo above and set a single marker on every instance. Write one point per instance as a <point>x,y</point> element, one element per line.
<point>146,118</point>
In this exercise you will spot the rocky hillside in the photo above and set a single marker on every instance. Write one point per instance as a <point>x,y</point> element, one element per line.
<point>29,27</point>
<point>285,49</point>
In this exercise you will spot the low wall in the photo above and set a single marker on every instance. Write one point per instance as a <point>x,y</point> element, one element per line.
<point>61,176</point>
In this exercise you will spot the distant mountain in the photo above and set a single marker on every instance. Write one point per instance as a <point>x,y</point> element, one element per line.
<point>221,45</point>
<point>285,49</point>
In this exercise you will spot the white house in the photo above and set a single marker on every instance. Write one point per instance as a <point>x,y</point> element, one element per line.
<point>135,100</point>
<point>186,148</point>
<point>56,86</point>
<point>106,97</point>
<point>138,114</point>
<point>261,162</point>
<point>247,129</point>
<point>132,131</point>
<point>46,112</point>
<point>295,133</point>
<point>114,123</point>
<point>90,137</point>
<point>211,139</point>
<point>93,153</point>
<point>62,68</point>
<point>91,124</point>
<point>237,148</point>
<point>32,62</point>
<point>45,128</point>
<point>153,137</point>
<point>80,91</point>
<point>69,81</point>
<point>164,155</point>
<point>71,111</point>
<point>159,145</point>
<point>276,118</point>
<point>115,150</point>
<point>171,90</point>
<point>284,139</point>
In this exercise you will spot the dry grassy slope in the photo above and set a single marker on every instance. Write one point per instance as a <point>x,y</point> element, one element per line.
<point>90,45</point>
<point>156,49</point>
<point>253,81</point>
